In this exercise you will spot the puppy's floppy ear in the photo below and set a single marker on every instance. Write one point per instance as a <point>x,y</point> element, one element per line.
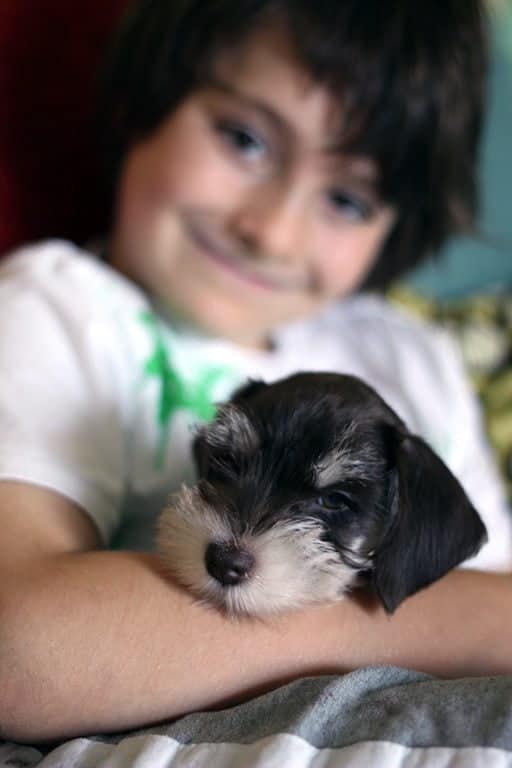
<point>434,525</point>
<point>247,390</point>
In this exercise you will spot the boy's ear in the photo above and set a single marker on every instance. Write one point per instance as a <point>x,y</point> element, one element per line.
<point>434,525</point>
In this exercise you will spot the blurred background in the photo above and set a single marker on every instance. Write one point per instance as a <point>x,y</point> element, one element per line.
<point>50,53</point>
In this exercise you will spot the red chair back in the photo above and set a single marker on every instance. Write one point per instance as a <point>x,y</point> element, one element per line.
<point>50,54</point>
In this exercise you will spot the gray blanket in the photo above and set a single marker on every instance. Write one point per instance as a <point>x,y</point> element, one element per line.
<point>378,716</point>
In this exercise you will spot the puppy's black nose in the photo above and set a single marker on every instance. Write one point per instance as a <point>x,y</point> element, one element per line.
<point>228,564</point>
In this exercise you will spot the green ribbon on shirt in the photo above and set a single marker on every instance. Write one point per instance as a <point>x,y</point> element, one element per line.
<point>177,392</point>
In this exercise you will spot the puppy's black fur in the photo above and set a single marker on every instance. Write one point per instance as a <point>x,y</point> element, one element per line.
<point>324,454</point>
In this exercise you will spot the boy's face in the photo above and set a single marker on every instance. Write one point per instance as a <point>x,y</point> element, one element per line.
<point>238,213</point>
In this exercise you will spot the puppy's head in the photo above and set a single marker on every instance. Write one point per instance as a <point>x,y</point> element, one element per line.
<point>307,487</point>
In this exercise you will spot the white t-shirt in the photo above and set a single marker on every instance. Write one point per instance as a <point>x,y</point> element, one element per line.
<point>99,393</point>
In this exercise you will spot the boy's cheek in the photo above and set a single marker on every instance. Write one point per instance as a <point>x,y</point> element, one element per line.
<point>352,255</point>
<point>170,171</point>
<point>346,265</point>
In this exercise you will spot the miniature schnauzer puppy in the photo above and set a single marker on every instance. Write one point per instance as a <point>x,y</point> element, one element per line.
<point>308,487</point>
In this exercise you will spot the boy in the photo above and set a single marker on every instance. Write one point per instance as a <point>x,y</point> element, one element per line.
<point>266,159</point>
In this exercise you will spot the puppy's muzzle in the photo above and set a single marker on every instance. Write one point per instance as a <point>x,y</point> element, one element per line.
<point>228,564</point>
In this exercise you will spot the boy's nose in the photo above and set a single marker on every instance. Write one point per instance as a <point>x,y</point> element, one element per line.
<point>271,223</point>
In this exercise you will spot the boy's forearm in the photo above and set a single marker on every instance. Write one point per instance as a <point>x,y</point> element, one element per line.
<point>460,626</point>
<point>117,646</point>
<point>102,641</point>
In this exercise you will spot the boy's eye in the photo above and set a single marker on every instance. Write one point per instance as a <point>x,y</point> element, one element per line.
<point>242,139</point>
<point>350,206</point>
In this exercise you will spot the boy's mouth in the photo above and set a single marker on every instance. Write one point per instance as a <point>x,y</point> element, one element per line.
<point>242,266</point>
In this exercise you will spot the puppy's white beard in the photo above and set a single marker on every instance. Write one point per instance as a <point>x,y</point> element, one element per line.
<point>293,566</point>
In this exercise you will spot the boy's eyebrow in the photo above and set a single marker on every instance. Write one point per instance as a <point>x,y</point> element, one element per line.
<point>252,101</point>
<point>361,168</point>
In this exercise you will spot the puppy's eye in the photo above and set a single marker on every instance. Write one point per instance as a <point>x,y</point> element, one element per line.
<point>335,500</point>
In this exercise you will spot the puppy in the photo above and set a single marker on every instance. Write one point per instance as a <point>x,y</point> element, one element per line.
<point>307,488</point>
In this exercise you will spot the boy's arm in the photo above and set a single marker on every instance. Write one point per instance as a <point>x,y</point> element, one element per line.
<point>95,641</point>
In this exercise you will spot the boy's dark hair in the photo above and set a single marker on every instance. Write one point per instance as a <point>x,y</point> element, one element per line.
<point>409,76</point>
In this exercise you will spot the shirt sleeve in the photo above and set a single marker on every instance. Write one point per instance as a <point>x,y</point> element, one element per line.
<point>61,424</point>
<point>441,405</point>
<point>473,462</point>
